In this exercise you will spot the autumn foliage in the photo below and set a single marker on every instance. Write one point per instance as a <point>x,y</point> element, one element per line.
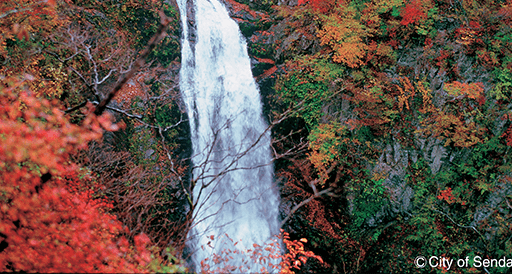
<point>57,215</point>
<point>51,219</point>
<point>412,13</point>
<point>319,5</point>
<point>411,137</point>
<point>397,141</point>
<point>265,258</point>
<point>345,36</point>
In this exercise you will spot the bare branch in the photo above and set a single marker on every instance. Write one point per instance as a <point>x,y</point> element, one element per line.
<point>455,223</point>
<point>7,13</point>
<point>138,63</point>
<point>106,77</point>
<point>135,116</point>
<point>11,12</point>
<point>508,204</point>
<point>316,194</point>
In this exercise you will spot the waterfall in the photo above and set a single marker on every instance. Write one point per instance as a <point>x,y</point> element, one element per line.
<point>234,190</point>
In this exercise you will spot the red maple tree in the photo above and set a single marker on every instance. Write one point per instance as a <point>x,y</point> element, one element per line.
<point>51,220</point>
<point>412,13</point>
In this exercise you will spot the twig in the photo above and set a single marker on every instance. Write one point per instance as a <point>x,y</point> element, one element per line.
<point>76,107</point>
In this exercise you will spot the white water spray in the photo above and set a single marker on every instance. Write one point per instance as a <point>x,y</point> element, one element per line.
<point>234,190</point>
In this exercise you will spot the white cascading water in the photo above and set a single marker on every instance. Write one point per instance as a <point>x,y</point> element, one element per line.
<point>234,191</point>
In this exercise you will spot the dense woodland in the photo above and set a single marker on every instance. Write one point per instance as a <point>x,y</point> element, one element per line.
<point>391,131</point>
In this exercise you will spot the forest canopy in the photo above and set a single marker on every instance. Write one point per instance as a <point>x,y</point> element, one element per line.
<point>392,134</point>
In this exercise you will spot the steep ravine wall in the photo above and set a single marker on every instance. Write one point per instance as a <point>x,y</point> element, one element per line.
<point>271,41</point>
